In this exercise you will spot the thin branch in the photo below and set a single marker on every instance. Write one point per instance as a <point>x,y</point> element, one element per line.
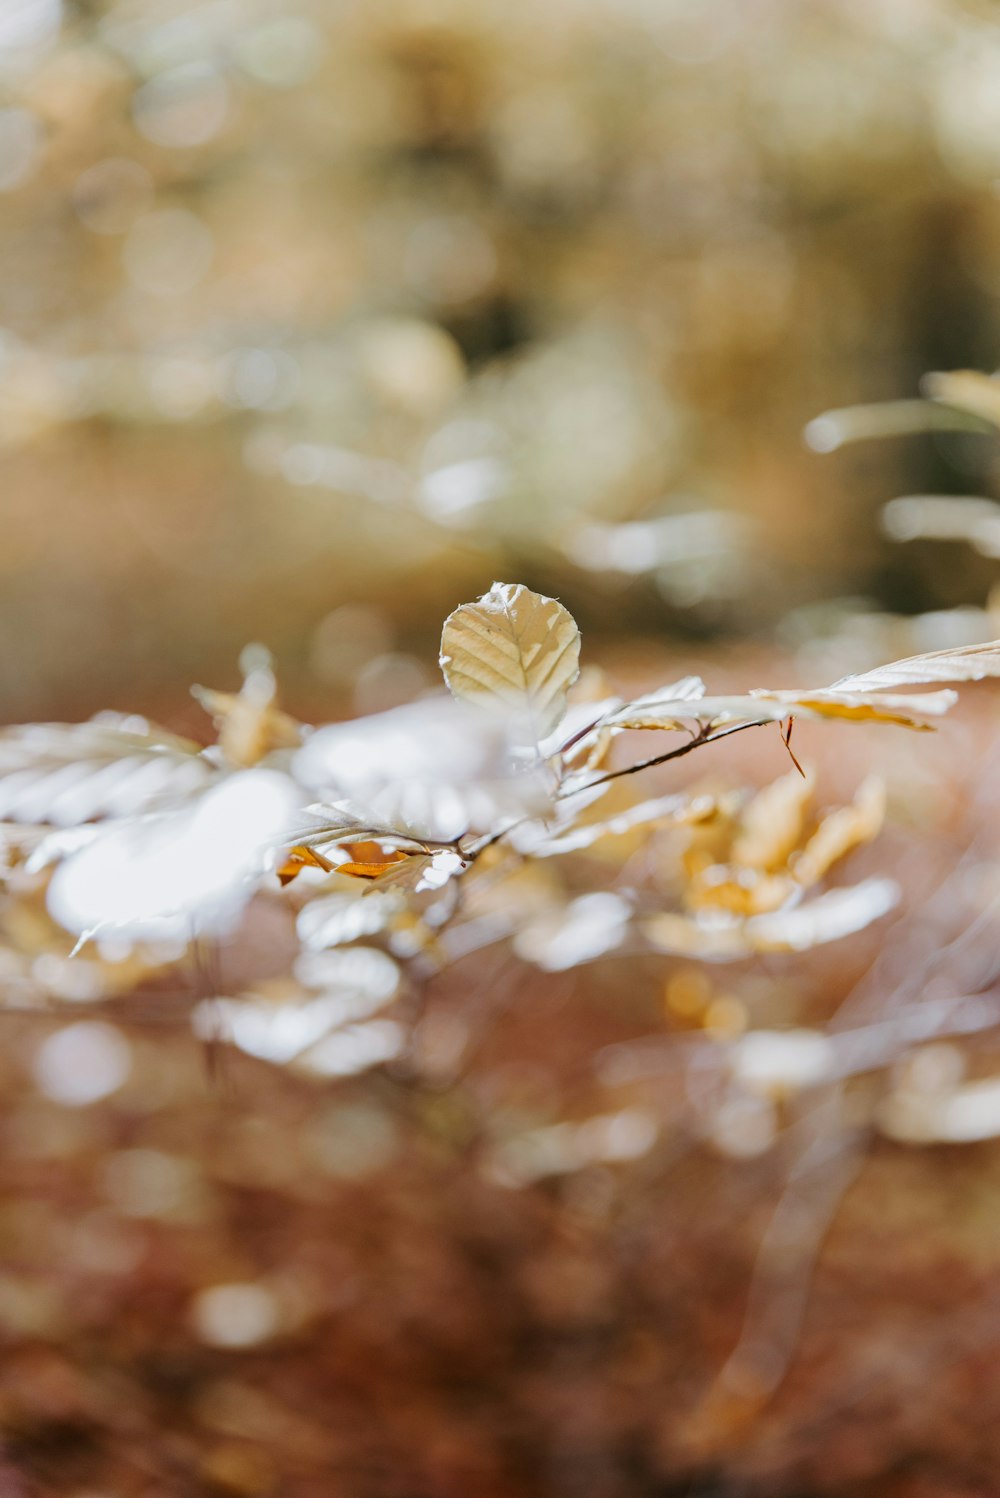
<point>705,737</point>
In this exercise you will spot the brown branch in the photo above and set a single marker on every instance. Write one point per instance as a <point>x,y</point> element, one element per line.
<point>704,737</point>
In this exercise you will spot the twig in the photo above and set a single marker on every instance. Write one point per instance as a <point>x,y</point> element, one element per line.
<point>706,736</point>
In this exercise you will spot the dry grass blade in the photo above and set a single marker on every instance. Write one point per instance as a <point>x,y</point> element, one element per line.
<point>516,651</point>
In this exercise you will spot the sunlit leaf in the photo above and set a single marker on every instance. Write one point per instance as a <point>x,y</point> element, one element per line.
<point>431,771</point>
<point>833,429</point>
<point>337,919</point>
<point>369,860</point>
<point>966,663</point>
<point>853,706</point>
<point>742,891</point>
<point>680,712</point>
<point>67,773</point>
<point>514,651</point>
<point>174,874</point>
<point>837,913</point>
<point>587,928</point>
<point>664,809</point>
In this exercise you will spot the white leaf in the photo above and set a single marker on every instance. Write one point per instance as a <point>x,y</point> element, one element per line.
<point>177,873</point>
<point>355,1049</point>
<point>586,929</point>
<point>338,919</point>
<point>514,651</point>
<point>432,770</point>
<point>64,774</point>
<point>837,913</point>
<point>968,663</point>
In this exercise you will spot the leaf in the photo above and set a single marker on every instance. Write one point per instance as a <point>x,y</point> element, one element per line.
<point>740,891</point>
<point>716,937</point>
<point>368,860</point>
<point>249,724</point>
<point>176,873</point>
<point>64,774</point>
<point>675,809</point>
<point>428,772</point>
<point>944,517</point>
<point>966,390</point>
<point>837,913</point>
<point>967,663</point>
<point>587,928</point>
<point>832,702</point>
<point>679,712</point>
<point>845,829</point>
<point>338,919</point>
<point>833,429</point>
<point>515,651</point>
<point>299,858</point>
<point>772,823</point>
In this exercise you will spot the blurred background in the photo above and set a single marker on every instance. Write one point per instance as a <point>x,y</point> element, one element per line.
<point>315,316</point>
<point>335,307</point>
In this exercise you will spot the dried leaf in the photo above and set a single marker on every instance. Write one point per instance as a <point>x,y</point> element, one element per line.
<point>772,822</point>
<point>516,651</point>
<point>676,809</point>
<point>369,860</point>
<point>837,913</point>
<point>741,891</point>
<point>967,663</point>
<point>336,920</point>
<point>299,858</point>
<point>680,712</point>
<point>832,702</point>
<point>718,937</point>
<point>717,940</point>
<point>249,724</point>
<point>428,772</point>
<point>945,517</point>
<point>64,774</point>
<point>845,829</point>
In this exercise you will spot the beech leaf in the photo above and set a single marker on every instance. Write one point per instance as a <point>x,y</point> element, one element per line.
<point>63,774</point>
<point>967,663</point>
<point>516,651</point>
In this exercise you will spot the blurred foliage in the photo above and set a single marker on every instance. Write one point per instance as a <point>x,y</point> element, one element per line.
<point>313,305</point>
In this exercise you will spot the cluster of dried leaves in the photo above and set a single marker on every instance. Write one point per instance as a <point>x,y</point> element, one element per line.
<point>403,842</point>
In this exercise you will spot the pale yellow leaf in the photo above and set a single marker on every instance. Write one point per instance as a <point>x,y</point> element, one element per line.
<point>845,829</point>
<point>516,651</point>
<point>772,823</point>
<point>739,891</point>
